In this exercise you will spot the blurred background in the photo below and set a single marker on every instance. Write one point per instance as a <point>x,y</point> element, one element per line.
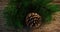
<point>52,27</point>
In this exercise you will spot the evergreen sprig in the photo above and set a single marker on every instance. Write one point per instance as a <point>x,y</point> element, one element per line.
<point>16,11</point>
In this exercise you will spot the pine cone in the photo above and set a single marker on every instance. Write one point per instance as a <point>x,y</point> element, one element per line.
<point>33,20</point>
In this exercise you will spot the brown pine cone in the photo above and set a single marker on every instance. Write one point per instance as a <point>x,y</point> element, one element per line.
<point>33,20</point>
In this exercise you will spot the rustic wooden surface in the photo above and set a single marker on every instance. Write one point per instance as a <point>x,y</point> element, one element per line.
<point>2,21</point>
<point>3,28</point>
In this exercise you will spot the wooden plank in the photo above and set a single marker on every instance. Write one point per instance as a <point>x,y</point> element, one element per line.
<point>56,1</point>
